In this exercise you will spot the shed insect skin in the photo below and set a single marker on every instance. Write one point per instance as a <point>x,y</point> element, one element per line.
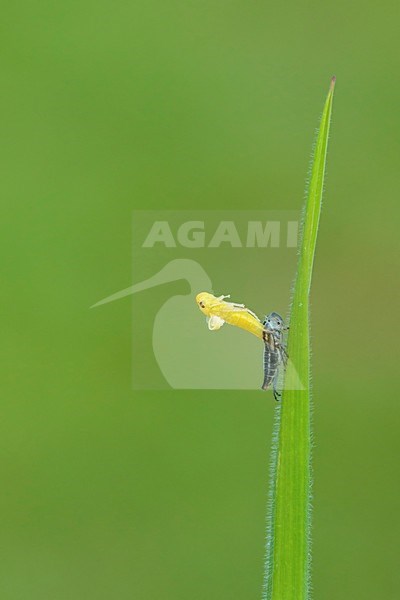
<point>274,351</point>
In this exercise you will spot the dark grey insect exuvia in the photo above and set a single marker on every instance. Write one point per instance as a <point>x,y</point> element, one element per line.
<point>275,353</point>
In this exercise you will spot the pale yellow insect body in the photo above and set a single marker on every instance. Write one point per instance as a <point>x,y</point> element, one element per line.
<point>218,312</point>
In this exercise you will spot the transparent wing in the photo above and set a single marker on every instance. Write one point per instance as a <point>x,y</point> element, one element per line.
<point>214,323</point>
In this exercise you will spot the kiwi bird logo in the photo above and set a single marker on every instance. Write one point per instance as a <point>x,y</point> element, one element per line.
<point>188,356</point>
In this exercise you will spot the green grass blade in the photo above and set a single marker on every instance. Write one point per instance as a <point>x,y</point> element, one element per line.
<point>287,569</point>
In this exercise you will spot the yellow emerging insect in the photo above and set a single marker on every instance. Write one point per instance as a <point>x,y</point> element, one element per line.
<point>219,312</point>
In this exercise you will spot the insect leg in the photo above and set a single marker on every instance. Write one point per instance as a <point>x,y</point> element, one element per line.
<point>277,394</point>
<point>284,355</point>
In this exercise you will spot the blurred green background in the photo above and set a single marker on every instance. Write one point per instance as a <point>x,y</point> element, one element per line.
<point>110,107</point>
